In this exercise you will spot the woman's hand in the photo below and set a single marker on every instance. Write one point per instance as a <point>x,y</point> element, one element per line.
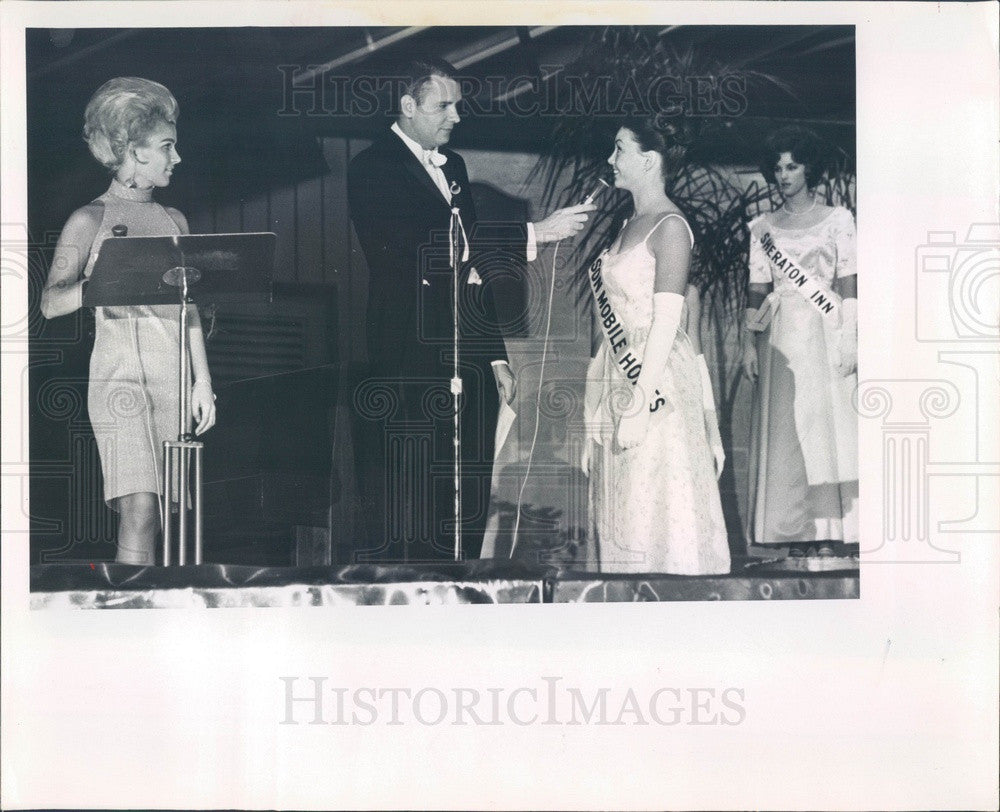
<point>848,355</point>
<point>848,344</point>
<point>203,405</point>
<point>715,441</point>
<point>506,382</point>
<point>633,427</point>
<point>749,361</point>
<point>711,416</point>
<point>585,455</point>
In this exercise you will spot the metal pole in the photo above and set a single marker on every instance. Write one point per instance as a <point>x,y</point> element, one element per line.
<point>197,504</point>
<point>182,367</point>
<point>183,453</point>
<point>168,477</point>
<point>182,506</point>
<point>456,381</point>
<point>188,452</point>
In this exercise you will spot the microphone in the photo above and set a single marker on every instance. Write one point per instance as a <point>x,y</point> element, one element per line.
<point>602,184</point>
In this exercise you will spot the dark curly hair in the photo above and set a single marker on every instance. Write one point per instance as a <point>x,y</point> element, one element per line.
<point>804,145</point>
<point>654,134</point>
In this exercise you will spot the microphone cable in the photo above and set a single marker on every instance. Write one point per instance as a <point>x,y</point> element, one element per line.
<point>601,186</point>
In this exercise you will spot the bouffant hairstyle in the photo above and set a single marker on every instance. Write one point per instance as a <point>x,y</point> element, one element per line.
<point>804,145</point>
<point>652,134</point>
<point>125,111</point>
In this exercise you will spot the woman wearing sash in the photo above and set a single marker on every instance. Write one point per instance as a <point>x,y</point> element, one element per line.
<point>130,127</point>
<point>653,450</point>
<point>801,349</point>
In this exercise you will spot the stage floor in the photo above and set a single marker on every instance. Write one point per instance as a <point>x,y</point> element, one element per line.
<point>122,586</point>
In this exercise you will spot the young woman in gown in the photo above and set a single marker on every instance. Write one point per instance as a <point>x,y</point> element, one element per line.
<point>130,128</point>
<point>803,468</point>
<point>654,452</point>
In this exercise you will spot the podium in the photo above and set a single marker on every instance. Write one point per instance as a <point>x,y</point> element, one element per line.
<point>201,269</point>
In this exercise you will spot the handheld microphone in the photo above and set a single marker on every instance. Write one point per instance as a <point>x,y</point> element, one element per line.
<point>602,184</point>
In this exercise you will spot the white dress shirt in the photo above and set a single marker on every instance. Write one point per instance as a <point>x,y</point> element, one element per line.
<point>433,168</point>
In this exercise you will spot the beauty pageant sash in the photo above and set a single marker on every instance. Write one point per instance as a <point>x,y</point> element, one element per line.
<point>823,300</point>
<point>614,332</point>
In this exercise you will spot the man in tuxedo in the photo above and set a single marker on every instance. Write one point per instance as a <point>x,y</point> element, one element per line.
<point>413,212</point>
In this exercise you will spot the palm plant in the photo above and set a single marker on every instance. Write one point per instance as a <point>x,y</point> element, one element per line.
<point>623,62</point>
<point>717,206</point>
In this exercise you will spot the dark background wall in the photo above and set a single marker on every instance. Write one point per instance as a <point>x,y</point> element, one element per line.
<point>258,156</point>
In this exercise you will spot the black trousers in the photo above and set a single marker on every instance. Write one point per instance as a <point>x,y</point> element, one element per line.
<point>404,448</point>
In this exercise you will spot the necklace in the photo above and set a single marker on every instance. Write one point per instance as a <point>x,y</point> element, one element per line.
<point>791,213</point>
<point>119,189</point>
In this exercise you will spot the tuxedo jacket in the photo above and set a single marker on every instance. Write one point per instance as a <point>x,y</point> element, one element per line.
<point>402,222</point>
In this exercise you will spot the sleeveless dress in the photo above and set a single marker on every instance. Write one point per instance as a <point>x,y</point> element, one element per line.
<point>132,395</point>
<point>655,507</point>
<point>803,467</point>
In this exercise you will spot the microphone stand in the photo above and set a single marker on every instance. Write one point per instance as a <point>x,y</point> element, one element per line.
<point>455,252</point>
<point>164,270</point>
<point>185,450</point>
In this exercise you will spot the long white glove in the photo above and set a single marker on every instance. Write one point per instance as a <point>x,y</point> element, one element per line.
<point>848,337</point>
<point>711,418</point>
<point>666,319</point>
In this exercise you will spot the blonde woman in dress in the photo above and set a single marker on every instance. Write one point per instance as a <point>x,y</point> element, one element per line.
<point>803,469</point>
<point>654,452</point>
<point>130,127</point>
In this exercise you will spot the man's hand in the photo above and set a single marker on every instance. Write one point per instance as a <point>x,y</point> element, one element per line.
<point>563,223</point>
<point>506,384</point>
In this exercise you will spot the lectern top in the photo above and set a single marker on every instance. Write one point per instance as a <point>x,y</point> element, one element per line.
<point>144,270</point>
